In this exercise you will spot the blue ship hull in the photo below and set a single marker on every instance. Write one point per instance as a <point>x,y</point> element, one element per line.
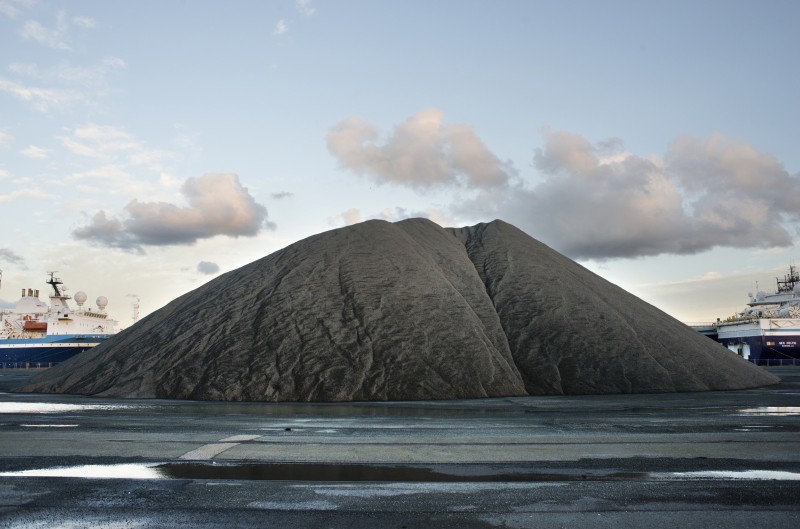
<point>784,347</point>
<point>44,352</point>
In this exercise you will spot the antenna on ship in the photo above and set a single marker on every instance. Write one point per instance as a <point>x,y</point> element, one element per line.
<point>53,281</point>
<point>789,280</point>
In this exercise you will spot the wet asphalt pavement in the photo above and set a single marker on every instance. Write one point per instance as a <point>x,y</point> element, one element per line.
<point>719,459</point>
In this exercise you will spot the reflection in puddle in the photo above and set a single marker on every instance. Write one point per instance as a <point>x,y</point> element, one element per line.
<point>778,475</point>
<point>49,425</point>
<point>51,407</point>
<point>771,410</point>
<point>343,473</point>
<point>125,471</point>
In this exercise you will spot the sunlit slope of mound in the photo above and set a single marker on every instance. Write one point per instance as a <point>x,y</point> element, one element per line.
<point>571,331</point>
<point>404,311</point>
<point>375,311</point>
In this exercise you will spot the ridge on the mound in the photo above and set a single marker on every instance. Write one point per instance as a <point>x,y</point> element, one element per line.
<point>403,311</point>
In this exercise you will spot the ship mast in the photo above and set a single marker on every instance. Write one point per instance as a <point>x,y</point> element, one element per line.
<point>789,280</point>
<point>53,281</point>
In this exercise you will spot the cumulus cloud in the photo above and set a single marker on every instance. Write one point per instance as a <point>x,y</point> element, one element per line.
<point>593,200</point>
<point>351,216</point>
<point>395,214</point>
<point>207,267</point>
<point>422,152</point>
<point>705,193</point>
<point>217,205</point>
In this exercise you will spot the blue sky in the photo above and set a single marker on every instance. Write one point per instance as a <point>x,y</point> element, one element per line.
<point>146,147</point>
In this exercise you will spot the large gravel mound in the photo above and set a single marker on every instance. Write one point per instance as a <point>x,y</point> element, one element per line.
<point>403,311</point>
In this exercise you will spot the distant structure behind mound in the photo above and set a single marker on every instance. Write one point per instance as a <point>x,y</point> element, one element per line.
<point>403,311</point>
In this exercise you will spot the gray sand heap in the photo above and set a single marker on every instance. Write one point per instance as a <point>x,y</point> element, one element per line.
<point>404,311</point>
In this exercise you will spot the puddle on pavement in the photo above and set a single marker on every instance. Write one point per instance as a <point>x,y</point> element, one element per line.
<point>125,471</point>
<point>52,407</point>
<point>775,411</point>
<point>757,475</point>
<point>48,425</point>
<point>311,472</point>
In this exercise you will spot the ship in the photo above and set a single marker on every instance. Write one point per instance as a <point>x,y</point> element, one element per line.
<point>37,334</point>
<point>767,331</point>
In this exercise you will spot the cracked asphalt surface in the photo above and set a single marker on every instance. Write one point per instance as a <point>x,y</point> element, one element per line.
<point>719,459</point>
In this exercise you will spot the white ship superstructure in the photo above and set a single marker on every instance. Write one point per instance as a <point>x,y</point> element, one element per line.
<point>35,333</point>
<point>769,327</point>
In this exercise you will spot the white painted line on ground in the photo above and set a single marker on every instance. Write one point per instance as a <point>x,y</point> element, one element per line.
<point>239,438</point>
<point>212,450</point>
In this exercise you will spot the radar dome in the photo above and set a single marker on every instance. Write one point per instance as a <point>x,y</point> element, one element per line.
<point>760,295</point>
<point>102,301</point>
<point>80,298</point>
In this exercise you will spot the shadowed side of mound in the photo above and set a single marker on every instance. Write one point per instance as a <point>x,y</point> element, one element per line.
<point>375,311</point>
<point>571,331</point>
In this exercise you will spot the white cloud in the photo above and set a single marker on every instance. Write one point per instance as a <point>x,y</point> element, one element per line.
<point>112,144</point>
<point>56,36</point>
<point>4,175</point>
<point>217,205</point>
<point>26,193</point>
<point>5,138</point>
<point>60,86</point>
<point>114,62</point>
<point>305,7</point>
<point>422,152</point>
<point>9,8</point>
<point>84,22</point>
<point>594,201</point>
<point>151,158</point>
<point>354,216</point>
<point>351,216</point>
<point>91,79</point>
<point>109,173</point>
<point>706,193</point>
<point>280,28</point>
<point>42,99</point>
<point>19,68</point>
<point>51,37</point>
<point>34,152</point>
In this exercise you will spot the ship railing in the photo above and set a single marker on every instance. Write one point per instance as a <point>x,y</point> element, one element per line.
<point>737,320</point>
<point>27,365</point>
<point>776,362</point>
<point>700,324</point>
